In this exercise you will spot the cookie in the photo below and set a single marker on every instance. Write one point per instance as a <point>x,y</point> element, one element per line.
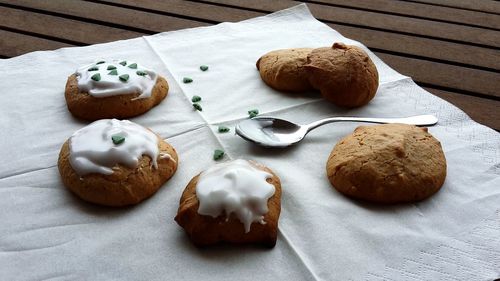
<point>284,70</point>
<point>389,163</point>
<point>345,75</point>
<point>113,89</point>
<point>234,202</point>
<point>115,163</point>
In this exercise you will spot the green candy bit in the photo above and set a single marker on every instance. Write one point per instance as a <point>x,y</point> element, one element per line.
<point>113,72</point>
<point>223,129</point>
<point>197,107</point>
<point>196,99</point>
<point>141,73</point>
<point>100,62</point>
<point>96,77</point>
<point>117,139</point>
<point>187,80</point>
<point>252,113</point>
<point>218,154</point>
<point>124,77</point>
<point>111,67</point>
<point>133,66</point>
<point>93,68</point>
<point>124,63</point>
<point>204,67</point>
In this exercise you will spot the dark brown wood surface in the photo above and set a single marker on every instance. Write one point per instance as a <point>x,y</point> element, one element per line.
<point>449,47</point>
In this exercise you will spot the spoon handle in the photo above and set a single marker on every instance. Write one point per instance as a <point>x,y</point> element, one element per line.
<point>419,120</point>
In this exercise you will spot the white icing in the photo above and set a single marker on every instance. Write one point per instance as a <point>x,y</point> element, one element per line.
<point>237,187</point>
<point>92,149</point>
<point>111,85</point>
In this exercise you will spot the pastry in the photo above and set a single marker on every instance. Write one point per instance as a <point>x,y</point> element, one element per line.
<point>113,89</point>
<point>284,70</point>
<point>345,75</point>
<point>388,163</point>
<point>234,202</point>
<point>115,163</point>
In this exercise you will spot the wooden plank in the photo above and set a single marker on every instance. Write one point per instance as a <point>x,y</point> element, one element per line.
<point>420,10</point>
<point>484,111</point>
<point>404,44</point>
<point>197,10</point>
<point>457,33</point>
<point>426,28</point>
<point>469,56</point>
<point>15,44</point>
<point>476,5</point>
<point>138,21</point>
<point>483,83</point>
<point>67,29</point>
<point>254,5</point>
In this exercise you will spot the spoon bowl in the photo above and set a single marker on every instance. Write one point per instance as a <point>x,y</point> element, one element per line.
<point>271,132</point>
<point>275,132</point>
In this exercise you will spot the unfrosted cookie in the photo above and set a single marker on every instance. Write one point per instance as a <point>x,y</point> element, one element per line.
<point>115,163</point>
<point>284,70</point>
<point>345,75</point>
<point>235,202</point>
<point>113,89</point>
<point>388,163</point>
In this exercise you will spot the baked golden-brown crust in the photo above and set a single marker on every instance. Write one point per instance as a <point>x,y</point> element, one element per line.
<point>205,230</point>
<point>284,70</point>
<point>85,106</point>
<point>388,163</point>
<point>345,75</point>
<point>126,186</point>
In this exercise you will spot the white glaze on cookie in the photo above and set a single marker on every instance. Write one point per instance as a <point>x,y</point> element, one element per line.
<point>92,149</point>
<point>111,85</point>
<point>237,187</point>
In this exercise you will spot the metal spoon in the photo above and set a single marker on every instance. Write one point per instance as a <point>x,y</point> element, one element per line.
<point>274,132</point>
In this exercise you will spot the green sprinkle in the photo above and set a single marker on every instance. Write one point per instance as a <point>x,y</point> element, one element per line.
<point>196,99</point>
<point>111,67</point>
<point>133,66</point>
<point>197,107</point>
<point>100,62</point>
<point>141,73</point>
<point>117,139</point>
<point>218,154</point>
<point>252,113</point>
<point>124,63</point>
<point>124,77</point>
<point>187,80</point>
<point>223,129</point>
<point>93,68</point>
<point>96,77</point>
<point>204,67</point>
<point>113,72</point>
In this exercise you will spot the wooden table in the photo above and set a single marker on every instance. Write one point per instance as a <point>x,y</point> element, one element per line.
<point>449,47</point>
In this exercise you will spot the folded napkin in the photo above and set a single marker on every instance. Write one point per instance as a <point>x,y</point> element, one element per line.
<point>47,233</point>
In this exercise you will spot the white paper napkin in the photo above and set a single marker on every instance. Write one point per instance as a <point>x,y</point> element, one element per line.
<point>47,233</point>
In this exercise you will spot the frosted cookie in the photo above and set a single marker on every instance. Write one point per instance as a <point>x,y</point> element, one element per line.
<point>345,75</point>
<point>115,163</point>
<point>284,70</point>
<point>235,202</point>
<point>388,163</point>
<point>113,89</point>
